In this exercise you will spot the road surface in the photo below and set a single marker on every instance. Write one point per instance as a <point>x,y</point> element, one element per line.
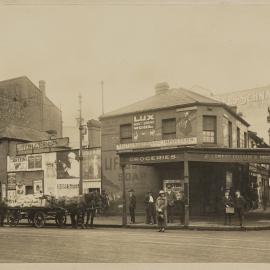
<point>102,245</point>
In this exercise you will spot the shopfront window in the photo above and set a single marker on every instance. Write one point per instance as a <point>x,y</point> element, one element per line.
<point>126,133</point>
<point>209,129</point>
<point>35,162</point>
<point>168,128</point>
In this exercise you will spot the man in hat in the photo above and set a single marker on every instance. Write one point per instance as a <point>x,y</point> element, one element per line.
<point>171,198</point>
<point>150,208</point>
<point>132,205</point>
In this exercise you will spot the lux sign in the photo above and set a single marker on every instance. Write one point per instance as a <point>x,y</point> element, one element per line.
<point>142,118</point>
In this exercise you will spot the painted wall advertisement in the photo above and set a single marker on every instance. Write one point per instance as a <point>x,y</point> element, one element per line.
<point>143,126</point>
<point>92,164</point>
<point>38,186</point>
<point>68,187</point>
<point>186,123</point>
<point>17,163</point>
<point>11,179</point>
<point>68,164</point>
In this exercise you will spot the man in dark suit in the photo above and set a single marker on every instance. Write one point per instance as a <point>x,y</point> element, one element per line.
<point>149,202</point>
<point>132,205</point>
<point>171,198</point>
<point>240,205</point>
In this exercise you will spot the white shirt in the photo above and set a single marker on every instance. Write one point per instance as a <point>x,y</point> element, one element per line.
<point>151,199</point>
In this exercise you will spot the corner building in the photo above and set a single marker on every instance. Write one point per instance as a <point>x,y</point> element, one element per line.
<point>197,144</point>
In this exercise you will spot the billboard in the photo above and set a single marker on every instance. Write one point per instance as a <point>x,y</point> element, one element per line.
<point>17,163</point>
<point>68,165</point>
<point>92,164</point>
<point>11,181</point>
<point>143,127</point>
<point>68,187</point>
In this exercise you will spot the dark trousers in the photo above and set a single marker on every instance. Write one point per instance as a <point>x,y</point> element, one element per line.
<point>240,213</point>
<point>2,219</point>
<point>181,212</point>
<point>132,214</point>
<point>150,213</point>
<point>170,213</point>
<point>227,218</point>
<point>90,215</point>
<point>73,218</point>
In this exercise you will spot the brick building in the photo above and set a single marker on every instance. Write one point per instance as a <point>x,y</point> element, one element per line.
<point>26,114</point>
<point>178,137</point>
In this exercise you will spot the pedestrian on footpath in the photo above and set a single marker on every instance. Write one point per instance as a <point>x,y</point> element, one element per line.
<point>171,198</point>
<point>240,206</point>
<point>161,210</point>
<point>132,205</point>
<point>228,208</point>
<point>150,208</point>
<point>3,212</point>
<point>180,206</point>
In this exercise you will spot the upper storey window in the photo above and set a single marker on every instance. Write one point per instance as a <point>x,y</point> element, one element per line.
<point>169,128</point>
<point>209,129</point>
<point>126,133</point>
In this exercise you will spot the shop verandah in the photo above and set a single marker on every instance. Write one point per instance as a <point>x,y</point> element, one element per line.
<point>205,173</point>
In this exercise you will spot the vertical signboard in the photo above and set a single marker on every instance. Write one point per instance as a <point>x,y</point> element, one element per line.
<point>186,123</point>
<point>11,179</point>
<point>91,164</point>
<point>143,127</point>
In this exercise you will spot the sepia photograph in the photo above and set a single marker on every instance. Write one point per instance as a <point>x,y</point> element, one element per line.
<point>134,132</point>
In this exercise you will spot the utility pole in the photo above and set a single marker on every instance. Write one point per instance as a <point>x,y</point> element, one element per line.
<point>81,138</point>
<point>102,97</point>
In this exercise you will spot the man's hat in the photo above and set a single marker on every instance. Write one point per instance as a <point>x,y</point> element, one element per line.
<point>131,190</point>
<point>162,192</point>
<point>169,186</point>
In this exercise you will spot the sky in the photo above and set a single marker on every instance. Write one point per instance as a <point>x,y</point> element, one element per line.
<point>132,47</point>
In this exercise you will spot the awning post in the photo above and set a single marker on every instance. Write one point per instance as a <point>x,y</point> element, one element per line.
<point>186,189</point>
<point>124,211</point>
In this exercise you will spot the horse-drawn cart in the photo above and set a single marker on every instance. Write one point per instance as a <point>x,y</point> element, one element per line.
<point>36,215</point>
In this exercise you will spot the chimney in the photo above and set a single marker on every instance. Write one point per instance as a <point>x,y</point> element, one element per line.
<point>94,133</point>
<point>161,88</point>
<point>42,87</point>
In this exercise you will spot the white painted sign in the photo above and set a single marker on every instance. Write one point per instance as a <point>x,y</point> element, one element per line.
<point>161,143</point>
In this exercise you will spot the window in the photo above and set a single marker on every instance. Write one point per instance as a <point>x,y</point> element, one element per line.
<point>126,133</point>
<point>209,129</point>
<point>29,190</point>
<point>230,133</point>
<point>168,128</point>
<point>238,137</point>
<point>35,162</point>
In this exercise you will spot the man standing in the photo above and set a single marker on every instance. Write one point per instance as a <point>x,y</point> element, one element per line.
<point>171,198</point>
<point>3,212</point>
<point>150,208</point>
<point>240,204</point>
<point>132,205</point>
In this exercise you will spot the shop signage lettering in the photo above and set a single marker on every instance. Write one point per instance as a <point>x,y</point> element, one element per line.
<point>232,157</point>
<point>152,158</point>
<point>30,147</point>
<point>161,143</point>
<point>17,163</point>
<point>67,186</point>
<point>243,99</point>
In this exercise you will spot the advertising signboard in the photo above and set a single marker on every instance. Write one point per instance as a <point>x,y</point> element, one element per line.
<point>68,164</point>
<point>67,187</point>
<point>41,146</point>
<point>143,126</point>
<point>11,179</point>
<point>17,163</point>
<point>91,164</point>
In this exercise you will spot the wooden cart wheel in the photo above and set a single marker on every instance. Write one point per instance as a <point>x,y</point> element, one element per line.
<point>13,218</point>
<point>60,219</point>
<point>39,219</point>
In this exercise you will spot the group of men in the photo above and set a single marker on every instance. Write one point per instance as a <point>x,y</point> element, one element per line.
<point>175,205</point>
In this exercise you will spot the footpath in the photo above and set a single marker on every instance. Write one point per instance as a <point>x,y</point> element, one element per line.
<point>254,220</point>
